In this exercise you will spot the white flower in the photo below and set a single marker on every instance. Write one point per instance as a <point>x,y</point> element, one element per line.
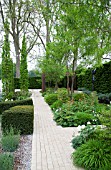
<point>110,102</point>
<point>79,128</point>
<point>83,126</point>
<point>6,99</point>
<point>11,99</point>
<point>88,123</point>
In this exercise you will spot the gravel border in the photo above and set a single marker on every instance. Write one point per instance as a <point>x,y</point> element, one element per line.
<point>23,155</point>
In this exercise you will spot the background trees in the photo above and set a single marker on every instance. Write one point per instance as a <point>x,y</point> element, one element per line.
<point>68,32</point>
<point>23,67</point>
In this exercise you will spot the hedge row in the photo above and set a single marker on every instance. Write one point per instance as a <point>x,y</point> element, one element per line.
<point>102,79</point>
<point>7,104</point>
<point>20,118</point>
<point>34,83</point>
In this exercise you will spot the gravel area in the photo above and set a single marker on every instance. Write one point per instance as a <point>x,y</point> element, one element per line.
<point>23,154</point>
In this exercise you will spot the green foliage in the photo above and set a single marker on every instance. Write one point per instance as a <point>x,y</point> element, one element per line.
<point>93,155</point>
<point>51,98</point>
<point>10,141</point>
<point>7,66</point>
<point>57,104</point>
<point>105,119</point>
<point>78,112</point>
<point>23,67</point>
<point>84,135</point>
<point>109,96</point>
<point>78,96</point>
<point>6,161</point>
<point>104,98</point>
<point>34,83</point>
<point>21,95</point>
<point>65,117</point>
<point>82,118</point>
<point>54,70</point>
<point>63,94</point>
<point>102,83</point>
<point>7,104</point>
<point>20,118</point>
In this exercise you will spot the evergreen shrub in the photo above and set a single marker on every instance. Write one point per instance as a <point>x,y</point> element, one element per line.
<point>20,118</point>
<point>34,83</point>
<point>7,104</point>
<point>102,79</point>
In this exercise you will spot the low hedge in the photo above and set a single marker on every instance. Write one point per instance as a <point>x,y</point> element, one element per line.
<point>7,104</point>
<point>34,83</point>
<point>20,118</point>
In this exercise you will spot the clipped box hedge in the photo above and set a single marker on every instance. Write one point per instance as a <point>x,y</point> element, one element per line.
<point>34,83</point>
<point>20,118</point>
<point>7,104</point>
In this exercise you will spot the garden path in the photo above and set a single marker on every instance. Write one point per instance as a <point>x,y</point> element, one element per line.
<point>51,146</point>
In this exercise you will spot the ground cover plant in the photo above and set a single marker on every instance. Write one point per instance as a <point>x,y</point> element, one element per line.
<point>86,133</point>
<point>93,155</point>
<point>94,144</point>
<point>82,109</point>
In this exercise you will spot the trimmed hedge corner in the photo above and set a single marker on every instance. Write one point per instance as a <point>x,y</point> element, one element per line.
<point>7,104</point>
<point>20,118</point>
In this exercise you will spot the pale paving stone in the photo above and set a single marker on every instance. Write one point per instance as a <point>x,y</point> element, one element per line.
<point>51,146</point>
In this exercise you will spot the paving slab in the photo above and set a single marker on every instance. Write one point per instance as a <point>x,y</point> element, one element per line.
<point>51,145</point>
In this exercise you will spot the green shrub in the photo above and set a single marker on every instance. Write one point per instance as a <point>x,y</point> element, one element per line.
<point>7,104</point>
<point>57,104</point>
<point>105,119</point>
<point>51,98</point>
<point>93,155</point>
<point>10,141</point>
<point>64,116</point>
<point>109,96</point>
<point>78,96</point>
<point>44,93</point>
<point>82,118</point>
<point>6,162</point>
<point>63,94</point>
<point>85,134</point>
<point>20,118</point>
<point>21,95</point>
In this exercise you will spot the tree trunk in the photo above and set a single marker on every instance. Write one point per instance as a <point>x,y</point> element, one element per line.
<point>68,88</point>
<point>56,86</point>
<point>17,51</point>
<point>74,67</point>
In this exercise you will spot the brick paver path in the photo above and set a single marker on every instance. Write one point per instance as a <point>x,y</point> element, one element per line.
<point>51,147</point>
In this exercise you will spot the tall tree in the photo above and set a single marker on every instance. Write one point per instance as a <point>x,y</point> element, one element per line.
<point>20,13</point>
<point>7,66</point>
<point>23,67</point>
<point>84,27</point>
